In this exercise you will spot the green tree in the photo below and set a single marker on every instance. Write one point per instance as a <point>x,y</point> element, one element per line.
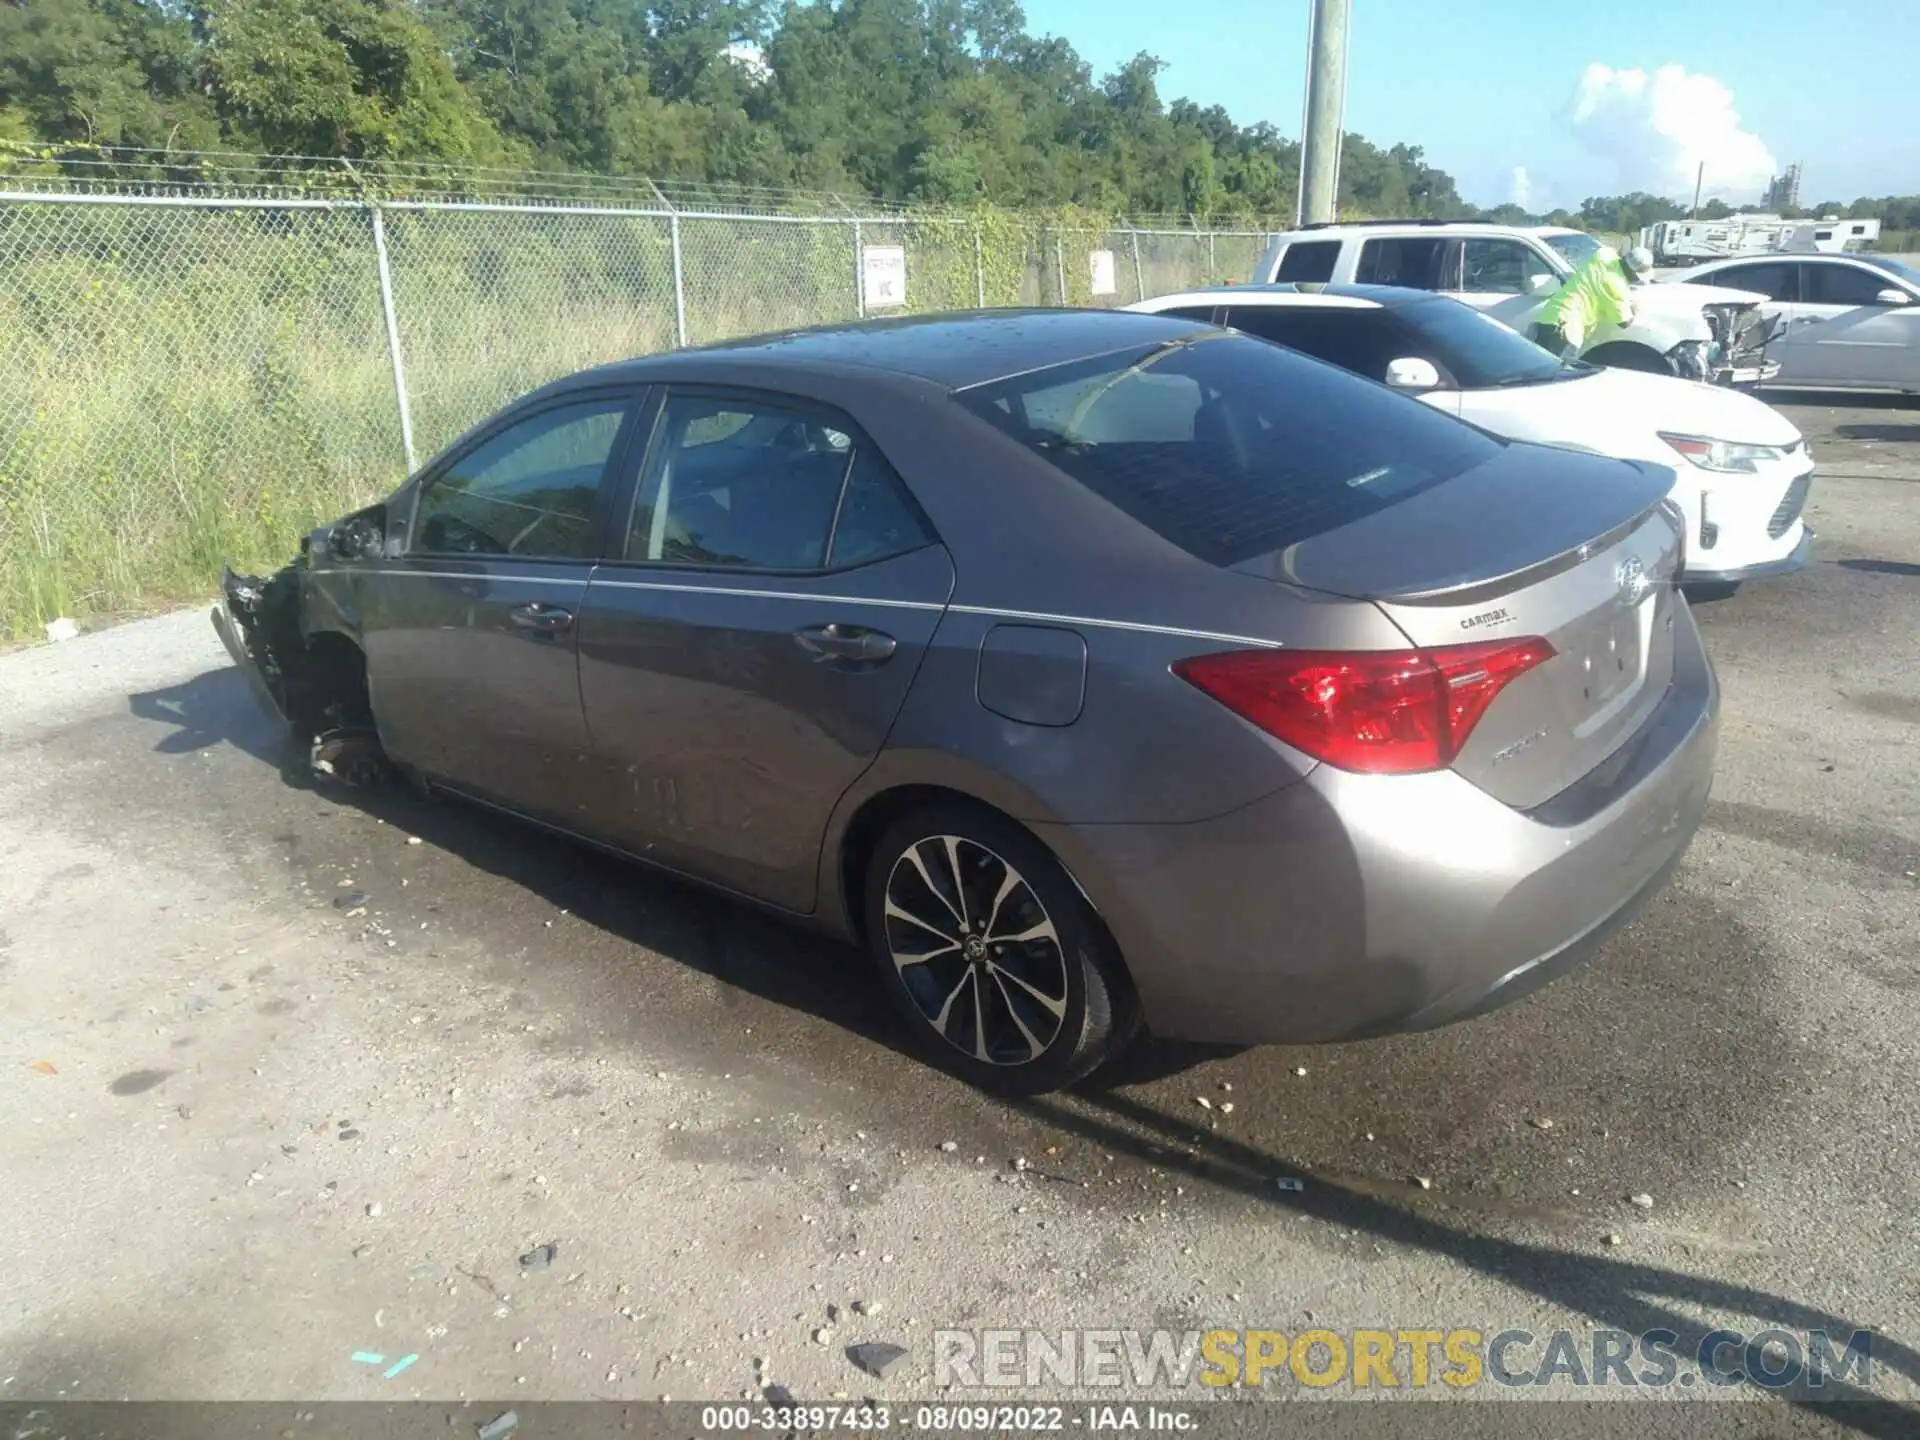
<point>947,101</point>
<point>103,72</point>
<point>340,77</point>
<point>1628,213</point>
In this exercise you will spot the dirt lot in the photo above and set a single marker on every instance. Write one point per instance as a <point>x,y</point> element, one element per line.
<point>282,1085</point>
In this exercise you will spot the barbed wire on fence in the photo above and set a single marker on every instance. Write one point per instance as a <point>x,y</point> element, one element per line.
<point>69,168</point>
<point>200,370</point>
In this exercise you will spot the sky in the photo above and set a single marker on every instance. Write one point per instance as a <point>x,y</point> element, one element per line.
<point>1546,102</point>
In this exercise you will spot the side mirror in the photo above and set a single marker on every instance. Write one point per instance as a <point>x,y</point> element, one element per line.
<point>1541,284</point>
<point>354,538</point>
<point>1891,296</point>
<point>1413,375</point>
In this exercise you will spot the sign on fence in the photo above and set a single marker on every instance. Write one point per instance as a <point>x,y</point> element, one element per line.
<point>1100,262</point>
<point>883,272</point>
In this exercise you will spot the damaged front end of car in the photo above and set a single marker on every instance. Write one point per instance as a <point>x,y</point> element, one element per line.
<point>311,678</point>
<point>1741,336</point>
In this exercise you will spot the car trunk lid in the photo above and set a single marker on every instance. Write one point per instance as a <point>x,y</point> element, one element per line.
<point>1574,549</point>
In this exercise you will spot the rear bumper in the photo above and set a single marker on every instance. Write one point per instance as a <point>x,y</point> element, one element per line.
<point>1353,905</point>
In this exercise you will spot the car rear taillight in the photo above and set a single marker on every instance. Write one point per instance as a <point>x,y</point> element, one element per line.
<point>1390,712</point>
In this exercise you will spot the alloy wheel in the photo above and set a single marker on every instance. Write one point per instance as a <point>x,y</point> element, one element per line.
<point>976,950</point>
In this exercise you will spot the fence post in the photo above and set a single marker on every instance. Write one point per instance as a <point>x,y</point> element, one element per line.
<point>679,285</point>
<point>1060,267</point>
<point>393,335</point>
<point>979,268</point>
<point>1139,285</point>
<point>859,274</point>
<point>1213,264</point>
<point>679,280</point>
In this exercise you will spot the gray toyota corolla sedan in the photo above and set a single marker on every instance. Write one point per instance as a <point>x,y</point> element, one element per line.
<point>1091,670</point>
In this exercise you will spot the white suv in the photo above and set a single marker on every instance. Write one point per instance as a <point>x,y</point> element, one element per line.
<point>1698,332</point>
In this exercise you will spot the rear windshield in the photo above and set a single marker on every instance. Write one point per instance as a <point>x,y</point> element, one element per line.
<point>1230,447</point>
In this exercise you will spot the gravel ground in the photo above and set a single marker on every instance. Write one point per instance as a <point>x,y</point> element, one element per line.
<point>282,1085</point>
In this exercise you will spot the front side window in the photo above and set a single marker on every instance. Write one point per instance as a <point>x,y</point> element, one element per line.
<point>1841,285</point>
<point>766,486</point>
<point>1501,267</point>
<point>1417,261</point>
<point>530,490</point>
<point>1227,446</point>
<point>1893,267</point>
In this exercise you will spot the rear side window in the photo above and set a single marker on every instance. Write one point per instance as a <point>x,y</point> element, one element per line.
<point>1417,261</point>
<point>1356,340</point>
<point>1309,262</point>
<point>1227,446</point>
<point>876,518</point>
<point>760,485</point>
<point>1775,281</point>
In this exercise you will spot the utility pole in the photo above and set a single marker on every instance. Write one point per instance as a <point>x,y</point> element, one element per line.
<point>1699,179</point>
<point>1325,112</point>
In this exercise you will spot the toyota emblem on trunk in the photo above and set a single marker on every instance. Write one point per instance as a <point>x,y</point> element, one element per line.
<point>1631,577</point>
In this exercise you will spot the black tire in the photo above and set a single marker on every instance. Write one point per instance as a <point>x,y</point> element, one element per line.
<point>1622,355</point>
<point>998,999</point>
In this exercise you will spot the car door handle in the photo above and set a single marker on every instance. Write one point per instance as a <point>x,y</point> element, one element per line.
<point>1811,319</point>
<point>853,643</point>
<point>539,616</point>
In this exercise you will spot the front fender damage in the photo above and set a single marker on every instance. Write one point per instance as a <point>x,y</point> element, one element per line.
<point>314,684</point>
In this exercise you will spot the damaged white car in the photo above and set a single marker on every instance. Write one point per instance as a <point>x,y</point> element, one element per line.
<point>1697,332</point>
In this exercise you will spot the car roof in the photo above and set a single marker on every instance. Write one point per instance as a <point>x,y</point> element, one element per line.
<point>1769,257</point>
<point>1299,293</point>
<point>1340,231</point>
<point>954,351</point>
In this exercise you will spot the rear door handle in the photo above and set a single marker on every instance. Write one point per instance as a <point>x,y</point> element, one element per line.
<point>852,643</point>
<point>541,617</point>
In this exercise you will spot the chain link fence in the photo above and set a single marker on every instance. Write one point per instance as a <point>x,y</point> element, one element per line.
<point>190,379</point>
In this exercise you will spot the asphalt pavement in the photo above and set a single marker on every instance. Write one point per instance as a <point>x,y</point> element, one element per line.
<point>292,1076</point>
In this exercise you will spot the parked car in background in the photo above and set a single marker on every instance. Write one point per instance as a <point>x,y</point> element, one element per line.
<point>1742,472</point>
<point>1698,332</point>
<point>1848,321</point>
<point>1088,668</point>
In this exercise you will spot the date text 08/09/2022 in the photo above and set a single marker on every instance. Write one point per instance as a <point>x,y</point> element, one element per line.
<point>784,1419</point>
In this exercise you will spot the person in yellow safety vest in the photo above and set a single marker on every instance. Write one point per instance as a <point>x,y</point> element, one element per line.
<point>1598,294</point>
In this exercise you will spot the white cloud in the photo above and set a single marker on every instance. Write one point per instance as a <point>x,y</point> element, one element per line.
<point>1521,191</point>
<point>1658,128</point>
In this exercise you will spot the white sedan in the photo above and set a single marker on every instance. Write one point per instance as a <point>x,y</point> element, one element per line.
<point>1743,471</point>
<point>1849,322</point>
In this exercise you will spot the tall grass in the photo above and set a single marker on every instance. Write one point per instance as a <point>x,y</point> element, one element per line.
<point>183,386</point>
